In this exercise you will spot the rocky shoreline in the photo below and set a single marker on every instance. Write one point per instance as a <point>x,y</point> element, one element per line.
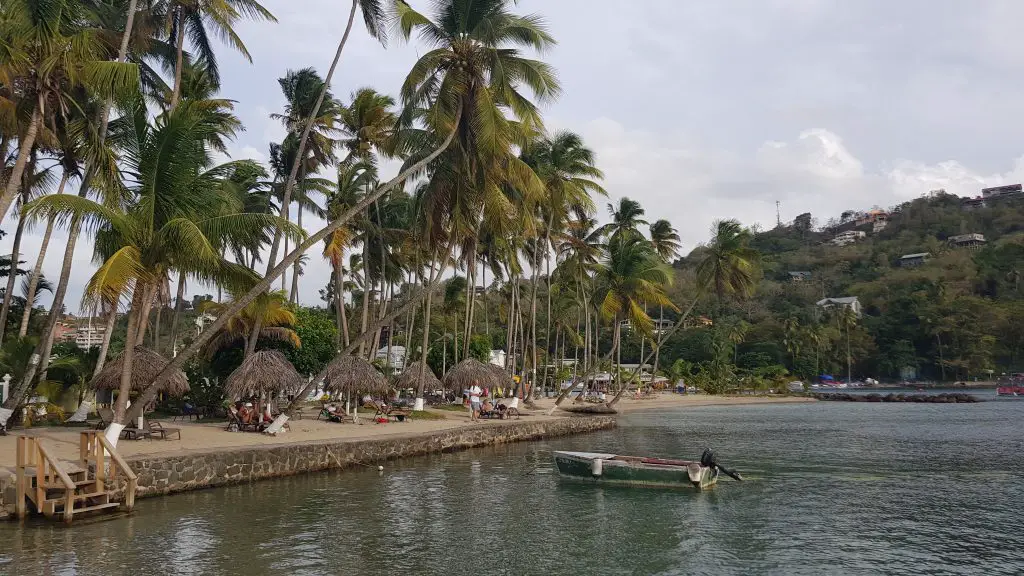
<point>945,398</point>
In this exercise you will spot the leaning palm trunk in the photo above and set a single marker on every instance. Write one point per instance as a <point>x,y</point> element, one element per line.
<point>179,296</point>
<point>293,174</point>
<point>150,392</point>
<point>366,292</point>
<point>294,296</point>
<point>657,345</point>
<point>12,276</point>
<point>24,151</point>
<point>37,272</point>
<point>108,332</point>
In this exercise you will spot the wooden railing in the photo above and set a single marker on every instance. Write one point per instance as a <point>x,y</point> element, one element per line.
<point>94,448</point>
<point>31,452</point>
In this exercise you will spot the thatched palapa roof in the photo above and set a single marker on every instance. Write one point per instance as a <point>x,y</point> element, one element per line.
<point>266,372</point>
<point>146,365</point>
<point>410,378</point>
<point>353,374</point>
<point>471,370</point>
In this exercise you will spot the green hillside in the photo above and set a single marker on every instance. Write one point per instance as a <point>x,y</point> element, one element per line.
<point>959,315</point>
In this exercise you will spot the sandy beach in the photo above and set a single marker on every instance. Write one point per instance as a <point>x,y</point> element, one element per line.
<point>209,435</point>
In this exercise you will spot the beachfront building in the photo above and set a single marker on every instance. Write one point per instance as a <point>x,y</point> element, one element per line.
<point>969,241</point>
<point>662,326</point>
<point>498,358</point>
<point>392,357</point>
<point>1002,192</point>
<point>851,302</point>
<point>848,237</point>
<point>84,337</point>
<point>914,260</point>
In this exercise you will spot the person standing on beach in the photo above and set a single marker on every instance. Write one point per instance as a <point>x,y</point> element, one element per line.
<point>474,401</point>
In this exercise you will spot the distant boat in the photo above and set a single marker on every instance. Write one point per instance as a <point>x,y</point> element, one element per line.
<point>603,468</point>
<point>1012,391</point>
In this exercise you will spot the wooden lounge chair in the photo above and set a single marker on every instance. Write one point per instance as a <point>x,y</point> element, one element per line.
<point>235,423</point>
<point>333,413</point>
<point>164,433</point>
<point>106,416</point>
<point>385,412</point>
<point>131,432</point>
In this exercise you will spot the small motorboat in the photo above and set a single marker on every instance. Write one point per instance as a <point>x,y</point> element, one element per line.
<point>640,470</point>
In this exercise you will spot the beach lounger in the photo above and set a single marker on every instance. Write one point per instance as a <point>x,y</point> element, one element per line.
<point>106,416</point>
<point>280,424</point>
<point>5,415</point>
<point>235,423</point>
<point>164,433</point>
<point>187,411</point>
<point>131,432</point>
<point>334,414</point>
<point>81,415</point>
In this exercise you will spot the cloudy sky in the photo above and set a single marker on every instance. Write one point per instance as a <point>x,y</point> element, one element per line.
<point>711,109</point>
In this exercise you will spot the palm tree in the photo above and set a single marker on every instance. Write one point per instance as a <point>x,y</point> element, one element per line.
<point>847,319</point>
<point>627,218</point>
<point>737,335</point>
<point>168,227</point>
<point>793,337</point>
<point>566,168</point>
<point>196,19</point>
<point>272,311</point>
<point>630,276</point>
<point>473,77</point>
<point>666,243</point>
<point>51,53</point>
<point>729,264</point>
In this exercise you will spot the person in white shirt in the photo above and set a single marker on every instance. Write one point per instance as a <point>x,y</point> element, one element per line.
<point>474,400</point>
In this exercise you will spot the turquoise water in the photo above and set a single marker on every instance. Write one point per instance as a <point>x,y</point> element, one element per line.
<point>833,488</point>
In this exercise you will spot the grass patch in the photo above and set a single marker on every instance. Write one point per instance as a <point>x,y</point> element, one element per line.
<point>450,407</point>
<point>426,415</point>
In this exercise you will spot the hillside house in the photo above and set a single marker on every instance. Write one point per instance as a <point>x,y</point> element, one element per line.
<point>972,203</point>
<point>914,260</point>
<point>851,302</point>
<point>799,275</point>
<point>848,237</point>
<point>1002,192</point>
<point>969,241</point>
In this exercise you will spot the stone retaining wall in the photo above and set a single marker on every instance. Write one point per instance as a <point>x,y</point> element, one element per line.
<point>167,474</point>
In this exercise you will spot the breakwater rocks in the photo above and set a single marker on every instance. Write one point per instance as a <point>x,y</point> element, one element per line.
<point>946,398</point>
<point>193,471</point>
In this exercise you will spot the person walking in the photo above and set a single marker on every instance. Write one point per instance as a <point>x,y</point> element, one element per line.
<point>474,401</point>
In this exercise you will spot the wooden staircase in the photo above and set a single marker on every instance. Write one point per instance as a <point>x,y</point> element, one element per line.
<point>70,489</point>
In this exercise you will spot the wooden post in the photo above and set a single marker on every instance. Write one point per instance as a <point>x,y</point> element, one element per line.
<point>69,505</point>
<point>99,454</point>
<point>19,503</point>
<point>41,483</point>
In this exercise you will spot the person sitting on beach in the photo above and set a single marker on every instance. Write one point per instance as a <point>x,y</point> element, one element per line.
<point>487,407</point>
<point>245,413</point>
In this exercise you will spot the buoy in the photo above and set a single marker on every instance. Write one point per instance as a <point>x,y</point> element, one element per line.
<point>596,467</point>
<point>380,468</point>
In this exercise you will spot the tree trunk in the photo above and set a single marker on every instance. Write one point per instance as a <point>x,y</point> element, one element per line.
<point>12,277</point>
<point>533,324</point>
<point>311,240</point>
<point>942,362</point>
<point>24,151</point>
<point>105,346</point>
<point>294,296</point>
<point>37,272</point>
<point>179,62</point>
<point>657,349</point>
<point>418,405</point>
<point>149,297</point>
<point>547,326</point>
<point>470,301</point>
<point>178,297</point>
<point>341,336</point>
<point>341,295</point>
<point>127,359</point>
<point>366,293</point>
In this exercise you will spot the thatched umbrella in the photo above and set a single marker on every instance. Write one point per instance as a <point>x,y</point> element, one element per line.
<point>504,379</point>
<point>410,378</point>
<point>146,365</point>
<point>265,373</point>
<point>353,374</point>
<point>472,371</point>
